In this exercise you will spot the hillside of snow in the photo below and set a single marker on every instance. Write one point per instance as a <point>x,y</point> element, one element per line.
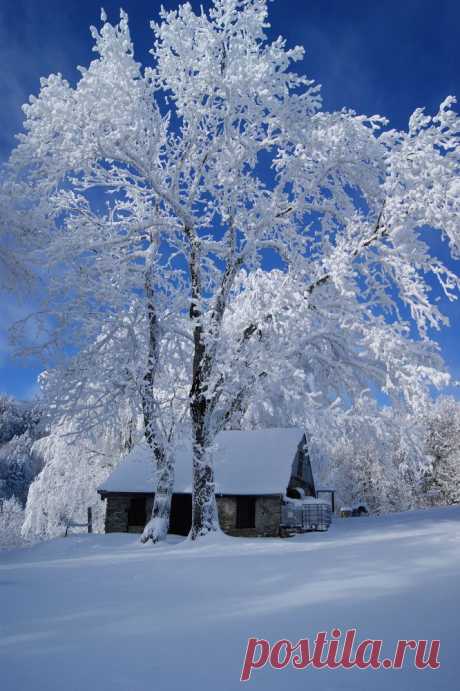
<point>105,613</point>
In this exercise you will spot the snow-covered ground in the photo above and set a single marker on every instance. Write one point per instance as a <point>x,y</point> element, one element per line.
<point>104,613</point>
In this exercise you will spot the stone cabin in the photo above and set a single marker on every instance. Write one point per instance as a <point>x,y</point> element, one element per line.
<point>256,472</point>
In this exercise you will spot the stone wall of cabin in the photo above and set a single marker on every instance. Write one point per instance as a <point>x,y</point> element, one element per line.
<point>116,513</point>
<point>226,507</point>
<point>267,515</point>
<point>267,518</point>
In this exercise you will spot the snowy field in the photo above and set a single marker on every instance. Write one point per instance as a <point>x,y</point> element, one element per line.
<point>104,613</point>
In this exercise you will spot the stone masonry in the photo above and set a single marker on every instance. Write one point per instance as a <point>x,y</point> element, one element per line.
<point>267,515</point>
<point>267,518</point>
<point>116,515</point>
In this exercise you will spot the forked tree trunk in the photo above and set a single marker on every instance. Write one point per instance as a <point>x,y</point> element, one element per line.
<point>205,519</point>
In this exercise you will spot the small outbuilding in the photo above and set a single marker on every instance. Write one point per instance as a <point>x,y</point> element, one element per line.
<point>262,478</point>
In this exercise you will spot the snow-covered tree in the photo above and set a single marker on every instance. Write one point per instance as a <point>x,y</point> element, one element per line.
<point>11,519</point>
<point>17,417</point>
<point>74,465</point>
<point>442,438</point>
<point>104,387</point>
<point>20,426</point>
<point>315,356</point>
<point>372,456</point>
<point>19,465</point>
<point>160,187</point>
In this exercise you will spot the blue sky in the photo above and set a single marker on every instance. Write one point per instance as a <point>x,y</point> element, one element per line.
<point>386,57</point>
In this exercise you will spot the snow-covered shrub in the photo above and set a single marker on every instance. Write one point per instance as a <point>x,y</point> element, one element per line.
<point>11,520</point>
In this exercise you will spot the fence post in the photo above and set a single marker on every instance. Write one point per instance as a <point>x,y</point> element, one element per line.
<point>90,519</point>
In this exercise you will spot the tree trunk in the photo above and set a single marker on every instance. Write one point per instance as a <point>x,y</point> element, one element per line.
<point>204,508</point>
<point>158,525</point>
<point>205,518</point>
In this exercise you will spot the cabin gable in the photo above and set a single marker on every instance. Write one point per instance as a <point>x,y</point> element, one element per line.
<point>301,472</point>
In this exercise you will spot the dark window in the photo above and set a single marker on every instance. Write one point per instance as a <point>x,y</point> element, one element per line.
<point>136,513</point>
<point>246,512</point>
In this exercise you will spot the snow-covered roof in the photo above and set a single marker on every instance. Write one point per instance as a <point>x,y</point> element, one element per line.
<point>256,462</point>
